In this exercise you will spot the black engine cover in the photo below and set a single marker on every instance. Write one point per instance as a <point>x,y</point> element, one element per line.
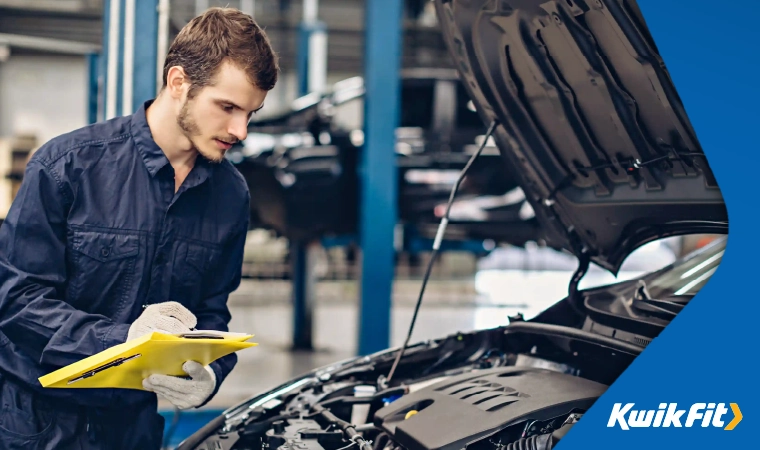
<point>468,407</point>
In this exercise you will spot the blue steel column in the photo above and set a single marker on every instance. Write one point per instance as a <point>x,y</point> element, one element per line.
<point>300,275</point>
<point>302,254</point>
<point>146,52</point>
<point>378,172</point>
<point>93,87</point>
<point>120,58</point>
<point>304,293</point>
<point>306,32</point>
<point>103,61</point>
<point>145,55</point>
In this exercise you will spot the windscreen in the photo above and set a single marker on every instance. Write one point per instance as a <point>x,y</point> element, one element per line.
<point>688,276</point>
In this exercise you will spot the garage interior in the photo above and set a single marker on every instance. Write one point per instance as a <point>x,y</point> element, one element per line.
<point>338,273</point>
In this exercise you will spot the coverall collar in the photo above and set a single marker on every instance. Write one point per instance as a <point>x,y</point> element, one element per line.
<point>152,155</point>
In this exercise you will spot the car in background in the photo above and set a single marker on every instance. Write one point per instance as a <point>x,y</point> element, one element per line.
<point>302,165</point>
<point>582,104</point>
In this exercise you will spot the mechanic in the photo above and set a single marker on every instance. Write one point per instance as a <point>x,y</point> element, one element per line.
<point>128,226</point>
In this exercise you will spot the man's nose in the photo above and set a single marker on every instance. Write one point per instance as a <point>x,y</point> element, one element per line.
<point>239,128</point>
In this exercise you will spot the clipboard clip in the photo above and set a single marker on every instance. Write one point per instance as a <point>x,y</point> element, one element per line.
<point>114,363</point>
<point>200,336</point>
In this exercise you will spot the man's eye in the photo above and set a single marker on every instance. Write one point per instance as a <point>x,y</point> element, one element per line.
<point>227,108</point>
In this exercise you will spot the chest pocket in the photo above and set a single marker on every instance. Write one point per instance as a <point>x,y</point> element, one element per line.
<point>192,271</point>
<point>102,271</point>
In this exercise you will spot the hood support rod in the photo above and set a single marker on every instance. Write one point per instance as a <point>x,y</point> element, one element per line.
<point>574,295</point>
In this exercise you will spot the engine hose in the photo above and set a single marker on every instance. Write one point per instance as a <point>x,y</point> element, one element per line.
<point>347,428</point>
<point>381,441</point>
<point>259,427</point>
<point>351,400</point>
<point>536,442</point>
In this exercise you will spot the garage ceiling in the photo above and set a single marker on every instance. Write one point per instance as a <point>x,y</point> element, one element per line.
<point>80,20</point>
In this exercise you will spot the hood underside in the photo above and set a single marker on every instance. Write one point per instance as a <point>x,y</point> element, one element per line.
<point>588,116</point>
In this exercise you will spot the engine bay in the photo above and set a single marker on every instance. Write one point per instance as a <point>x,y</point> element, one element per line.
<point>519,387</point>
<point>494,404</point>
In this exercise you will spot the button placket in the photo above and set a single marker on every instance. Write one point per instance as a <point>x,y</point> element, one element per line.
<point>160,258</point>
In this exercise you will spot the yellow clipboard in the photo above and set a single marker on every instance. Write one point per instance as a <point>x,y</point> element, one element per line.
<point>126,365</point>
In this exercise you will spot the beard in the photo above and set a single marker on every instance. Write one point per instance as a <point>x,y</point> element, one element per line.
<point>191,131</point>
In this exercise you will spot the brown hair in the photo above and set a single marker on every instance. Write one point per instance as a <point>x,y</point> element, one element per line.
<point>218,34</point>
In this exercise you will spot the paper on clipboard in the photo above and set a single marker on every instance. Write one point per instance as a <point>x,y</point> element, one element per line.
<point>126,365</point>
<point>213,334</point>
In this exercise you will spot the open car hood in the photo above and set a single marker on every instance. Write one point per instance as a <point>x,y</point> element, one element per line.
<point>588,115</point>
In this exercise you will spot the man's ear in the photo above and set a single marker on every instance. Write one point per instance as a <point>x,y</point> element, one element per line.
<point>176,82</point>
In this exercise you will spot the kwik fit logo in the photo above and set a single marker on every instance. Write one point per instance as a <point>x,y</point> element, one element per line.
<point>669,415</point>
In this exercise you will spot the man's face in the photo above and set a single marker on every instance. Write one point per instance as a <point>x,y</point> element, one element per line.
<point>218,115</point>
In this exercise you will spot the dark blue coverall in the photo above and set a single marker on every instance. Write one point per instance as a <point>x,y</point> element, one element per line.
<point>95,233</point>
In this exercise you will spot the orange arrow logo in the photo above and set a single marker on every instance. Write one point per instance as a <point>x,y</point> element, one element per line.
<point>737,417</point>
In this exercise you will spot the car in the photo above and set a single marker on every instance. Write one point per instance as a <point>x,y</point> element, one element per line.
<point>581,101</point>
<point>302,165</point>
<point>524,383</point>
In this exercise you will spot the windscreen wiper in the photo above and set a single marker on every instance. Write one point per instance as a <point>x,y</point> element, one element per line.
<point>667,307</point>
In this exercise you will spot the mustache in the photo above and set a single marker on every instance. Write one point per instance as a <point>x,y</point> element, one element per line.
<point>232,140</point>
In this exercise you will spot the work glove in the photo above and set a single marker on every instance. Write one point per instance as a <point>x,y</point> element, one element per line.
<point>181,392</point>
<point>168,317</point>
